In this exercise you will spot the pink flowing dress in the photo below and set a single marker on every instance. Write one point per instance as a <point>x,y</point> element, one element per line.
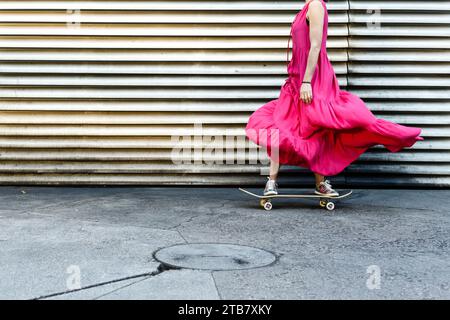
<point>332,131</point>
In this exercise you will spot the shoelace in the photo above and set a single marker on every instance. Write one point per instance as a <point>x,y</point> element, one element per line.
<point>328,185</point>
<point>272,183</point>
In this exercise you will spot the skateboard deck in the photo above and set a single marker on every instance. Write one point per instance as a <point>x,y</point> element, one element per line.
<point>324,201</point>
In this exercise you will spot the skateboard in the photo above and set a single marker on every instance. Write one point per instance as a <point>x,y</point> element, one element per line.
<point>327,202</point>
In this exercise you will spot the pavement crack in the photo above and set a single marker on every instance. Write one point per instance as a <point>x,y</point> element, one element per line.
<point>215,285</point>
<point>120,288</point>
<point>181,235</point>
<point>211,213</point>
<point>184,222</point>
<point>160,269</point>
<point>190,219</point>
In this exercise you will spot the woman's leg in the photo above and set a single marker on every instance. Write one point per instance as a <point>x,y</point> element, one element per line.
<point>274,168</point>
<point>271,185</point>
<point>319,179</point>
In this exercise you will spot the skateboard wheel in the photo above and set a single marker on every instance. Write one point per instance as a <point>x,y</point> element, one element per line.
<point>268,205</point>
<point>262,202</point>
<point>330,206</point>
<point>323,203</point>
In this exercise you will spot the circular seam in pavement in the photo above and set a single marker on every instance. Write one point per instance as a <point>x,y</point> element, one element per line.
<point>214,256</point>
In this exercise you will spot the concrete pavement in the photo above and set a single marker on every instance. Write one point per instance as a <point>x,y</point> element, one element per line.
<point>378,244</point>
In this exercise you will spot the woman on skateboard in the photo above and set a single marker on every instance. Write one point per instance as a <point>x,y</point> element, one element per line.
<point>314,124</point>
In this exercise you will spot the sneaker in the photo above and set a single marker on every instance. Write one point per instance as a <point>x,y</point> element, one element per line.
<point>271,188</point>
<point>326,189</point>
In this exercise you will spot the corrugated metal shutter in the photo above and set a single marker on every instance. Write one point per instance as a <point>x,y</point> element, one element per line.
<point>101,102</point>
<point>401,69</point>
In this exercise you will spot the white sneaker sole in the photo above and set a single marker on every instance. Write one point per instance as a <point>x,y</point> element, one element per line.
<point>271,193</point>
<point>326,194</point>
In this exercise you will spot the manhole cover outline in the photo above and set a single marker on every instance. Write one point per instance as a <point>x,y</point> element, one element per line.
<point>271,256</point>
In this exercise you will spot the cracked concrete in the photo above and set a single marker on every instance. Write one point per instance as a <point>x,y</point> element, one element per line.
<point>125,282</point>
<point>111,233</point>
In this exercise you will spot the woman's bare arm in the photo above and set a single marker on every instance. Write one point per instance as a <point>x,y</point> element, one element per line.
<point>316,14</point>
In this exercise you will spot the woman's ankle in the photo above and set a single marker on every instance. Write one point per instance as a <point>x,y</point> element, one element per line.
<point>319,182</point>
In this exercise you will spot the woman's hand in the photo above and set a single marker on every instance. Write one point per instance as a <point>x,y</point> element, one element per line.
<point>306,94</point>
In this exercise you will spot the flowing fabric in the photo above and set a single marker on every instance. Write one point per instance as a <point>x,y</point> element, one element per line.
<point>333,130</point>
